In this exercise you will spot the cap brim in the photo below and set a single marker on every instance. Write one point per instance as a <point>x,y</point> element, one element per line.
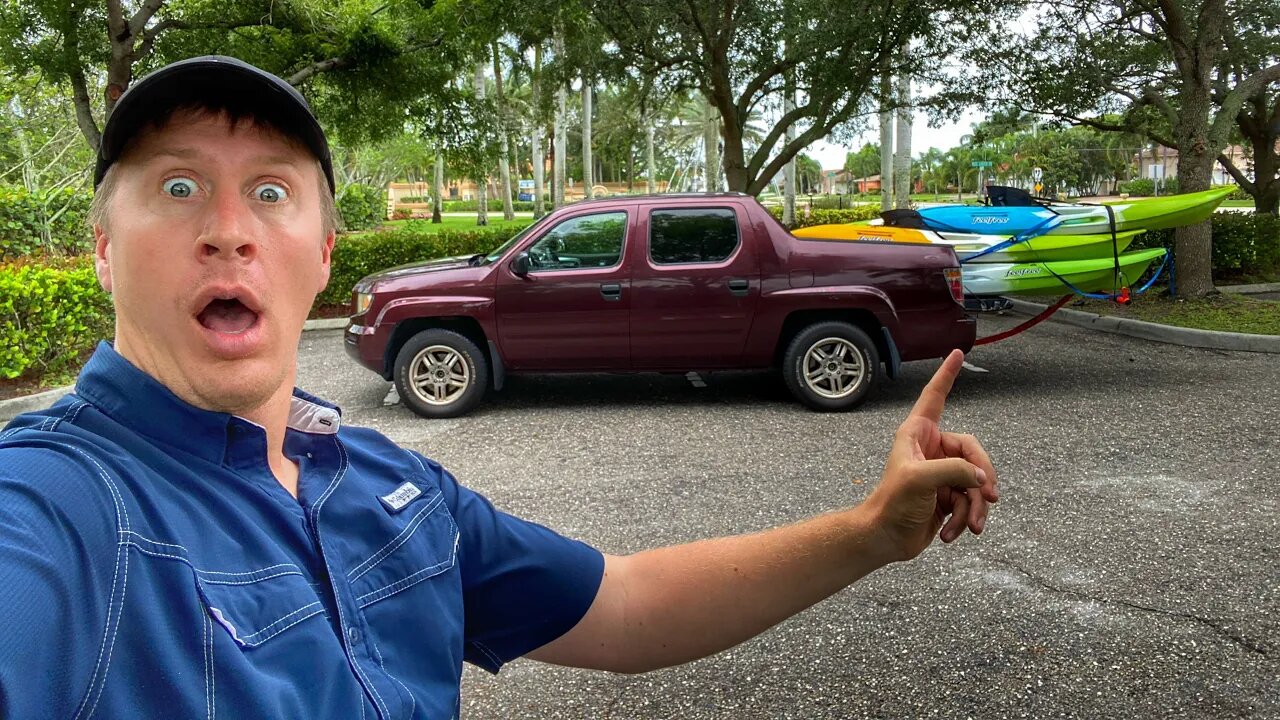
<point>216,82</point>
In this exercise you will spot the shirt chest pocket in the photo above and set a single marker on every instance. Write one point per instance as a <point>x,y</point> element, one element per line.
<point>256,606</point>
<point>405,547</point>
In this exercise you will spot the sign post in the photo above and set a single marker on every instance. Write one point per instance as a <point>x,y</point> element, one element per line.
<point>982,165</point>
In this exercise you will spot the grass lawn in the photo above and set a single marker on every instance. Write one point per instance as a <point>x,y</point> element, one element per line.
<point>453,222</point>
<point>1225,312</point>
<point>1237,203</point>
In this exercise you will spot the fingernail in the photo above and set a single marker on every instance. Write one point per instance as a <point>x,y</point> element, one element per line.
<point>982,476</point>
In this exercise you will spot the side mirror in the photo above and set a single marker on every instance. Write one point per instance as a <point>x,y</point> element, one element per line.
<point>521,265</point>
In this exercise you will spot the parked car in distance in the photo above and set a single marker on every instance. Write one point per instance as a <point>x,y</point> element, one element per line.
<point>661,283</point>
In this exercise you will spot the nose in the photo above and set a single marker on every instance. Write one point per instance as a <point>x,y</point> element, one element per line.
<point>227,230</point>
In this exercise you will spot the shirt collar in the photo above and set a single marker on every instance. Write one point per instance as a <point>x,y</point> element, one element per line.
<point>143,404</point>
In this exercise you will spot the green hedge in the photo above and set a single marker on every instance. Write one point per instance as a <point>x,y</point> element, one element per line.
<point>53,314</point>
<point>46,222</point>
<point>1245,245</point>
<point>830,217</point>
<point>361,206</point>
<point>1146,188</point>
<point>495,204</point>
<point>355,256</point>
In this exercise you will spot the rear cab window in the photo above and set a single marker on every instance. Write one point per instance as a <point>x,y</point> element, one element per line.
<point>685,236</point>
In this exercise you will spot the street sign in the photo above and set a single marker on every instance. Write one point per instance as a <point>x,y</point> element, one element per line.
<point>981,163</point>
<point>1036,175</point>
<point>526,184</point>
<point>1038,186</point>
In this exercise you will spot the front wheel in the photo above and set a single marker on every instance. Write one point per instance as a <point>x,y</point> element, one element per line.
<point>831,366</point>
<point>441,374</point>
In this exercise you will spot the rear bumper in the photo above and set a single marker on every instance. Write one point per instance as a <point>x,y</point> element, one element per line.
<point>925,334</point>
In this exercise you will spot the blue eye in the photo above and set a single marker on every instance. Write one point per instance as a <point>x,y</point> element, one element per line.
<point>180,187</point>
<point>270,192</point>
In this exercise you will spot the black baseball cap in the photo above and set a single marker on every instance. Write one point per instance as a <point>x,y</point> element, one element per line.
<point>218,83</point>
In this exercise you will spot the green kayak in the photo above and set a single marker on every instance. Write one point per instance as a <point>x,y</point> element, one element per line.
<point>1168,211</point>
<point>1096,275</point>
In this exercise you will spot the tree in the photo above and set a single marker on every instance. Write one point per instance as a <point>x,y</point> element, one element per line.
<point>864,163</point>
<point>1158,67</point>
<point>362,66</point>
<point>808,175</point>
<point>740,54</point>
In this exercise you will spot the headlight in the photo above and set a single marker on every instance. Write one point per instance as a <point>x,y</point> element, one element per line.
<point>362,302</point>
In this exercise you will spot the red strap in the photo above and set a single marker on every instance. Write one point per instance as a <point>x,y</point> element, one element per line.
<point>1026,325</point>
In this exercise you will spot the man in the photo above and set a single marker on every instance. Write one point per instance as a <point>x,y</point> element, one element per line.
<point>186,535</point>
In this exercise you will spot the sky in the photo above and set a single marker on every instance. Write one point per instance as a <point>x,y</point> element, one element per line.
<point>923,137</point>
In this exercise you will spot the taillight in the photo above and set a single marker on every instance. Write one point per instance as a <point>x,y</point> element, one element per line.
<point>952,274</point>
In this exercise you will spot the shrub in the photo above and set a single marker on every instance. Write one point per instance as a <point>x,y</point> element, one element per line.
<point>355,256</point>
<point>361,206</point>
<point>45,222</point>
<point>494,204</point>
<point>54,313</point>
<point>830,217</point>
<point>1245,245</point>
<point>1145,187</point>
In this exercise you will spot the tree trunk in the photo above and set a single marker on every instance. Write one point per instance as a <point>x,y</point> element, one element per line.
<point>558,162</point>
<point>437,190</point>
<point>482,182</point>
<point>902,155</point>
<point>650,168</point>
<point>1193,244</point>
<point>789,173</point>
<point>535,139</point>
<point>711,146</point>
<point>588,171</point>
<point>504,161</point>
<point>886,144</point>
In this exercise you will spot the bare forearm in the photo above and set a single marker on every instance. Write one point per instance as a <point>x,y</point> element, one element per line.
<point>675,604</point>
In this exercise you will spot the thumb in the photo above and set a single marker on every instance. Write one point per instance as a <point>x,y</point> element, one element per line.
<point>950,472</point>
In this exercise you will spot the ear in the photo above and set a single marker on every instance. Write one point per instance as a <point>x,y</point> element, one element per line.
<point>326,259</point>
<point>102,257</point>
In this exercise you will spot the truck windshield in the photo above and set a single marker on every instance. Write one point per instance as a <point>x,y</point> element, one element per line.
<point>504,247</point>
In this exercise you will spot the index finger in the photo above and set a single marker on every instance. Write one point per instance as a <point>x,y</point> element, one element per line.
<point>934,395</point>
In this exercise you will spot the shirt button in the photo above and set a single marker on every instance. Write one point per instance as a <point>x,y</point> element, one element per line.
<point>353,634</point>
<point>308,456</point>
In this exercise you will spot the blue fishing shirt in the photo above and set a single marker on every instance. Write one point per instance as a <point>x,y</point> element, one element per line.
<point>152,566</point>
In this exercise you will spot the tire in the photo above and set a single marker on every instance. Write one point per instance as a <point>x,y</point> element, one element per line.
<point>858,371</point>
<point>435,351</point>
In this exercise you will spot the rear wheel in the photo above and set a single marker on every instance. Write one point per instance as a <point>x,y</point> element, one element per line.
<point>831,366</point>
<point>441,374</point>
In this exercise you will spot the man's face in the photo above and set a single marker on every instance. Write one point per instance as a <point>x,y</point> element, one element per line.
<point>214,251</point>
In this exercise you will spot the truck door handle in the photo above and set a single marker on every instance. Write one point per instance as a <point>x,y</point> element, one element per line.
<point>611,291</point>
<point>739,287</point>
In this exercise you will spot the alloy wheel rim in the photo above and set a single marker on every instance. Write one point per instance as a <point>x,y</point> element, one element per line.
<point>833,368</point>
<point>439,375</point>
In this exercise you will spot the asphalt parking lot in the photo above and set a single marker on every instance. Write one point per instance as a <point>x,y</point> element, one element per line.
<point>1132,569</point>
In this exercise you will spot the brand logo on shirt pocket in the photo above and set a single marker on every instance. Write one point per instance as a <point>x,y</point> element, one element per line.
<point>418,541</point>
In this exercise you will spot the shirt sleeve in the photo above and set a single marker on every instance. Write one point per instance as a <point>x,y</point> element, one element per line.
<point>61,581</point>
<point>523,584</point>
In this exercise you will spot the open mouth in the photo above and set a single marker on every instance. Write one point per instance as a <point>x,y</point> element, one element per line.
<point>227,315</point>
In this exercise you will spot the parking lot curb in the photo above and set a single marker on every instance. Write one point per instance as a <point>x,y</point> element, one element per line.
<point>1250,289</point>
<point>1189,337</point>
<point>13,407</point>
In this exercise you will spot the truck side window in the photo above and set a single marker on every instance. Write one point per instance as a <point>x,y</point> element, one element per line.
<point>698,235</point>
<point>585,241</point>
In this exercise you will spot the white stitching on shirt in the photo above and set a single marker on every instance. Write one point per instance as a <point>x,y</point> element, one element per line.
<point>493,657</point>
<point>412,700</point>
<point>122,562</point>
<point>397,541</point>
<point>315,523</point>
<point>205,627</point>
<point>279,620</point>
<point>410,581</point>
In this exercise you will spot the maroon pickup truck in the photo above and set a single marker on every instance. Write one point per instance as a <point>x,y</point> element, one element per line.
<point>659,283</point>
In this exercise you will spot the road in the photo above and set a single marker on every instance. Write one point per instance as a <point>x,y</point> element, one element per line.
<point>1129,572</point>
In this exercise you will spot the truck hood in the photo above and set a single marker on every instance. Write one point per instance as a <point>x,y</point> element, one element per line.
<point>419,268</point>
